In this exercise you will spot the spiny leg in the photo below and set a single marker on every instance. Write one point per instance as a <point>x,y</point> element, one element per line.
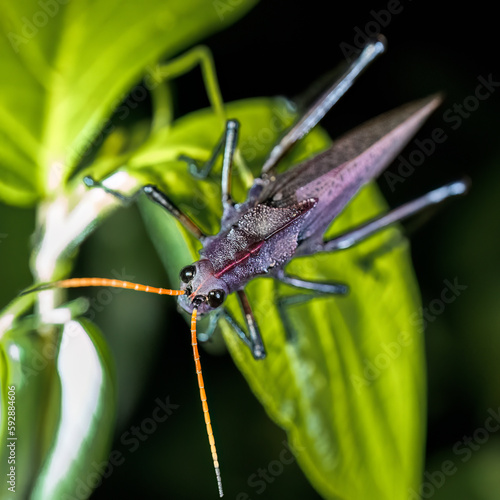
<point>398,214</point>
<point>324,103</point>
<point>227,145</point>
<point>160,198</point>
<point>254,342</point>
<point>126,200</point>
<point>237,328</point>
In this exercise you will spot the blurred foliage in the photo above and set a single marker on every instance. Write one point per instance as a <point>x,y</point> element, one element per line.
<point>70,64</point>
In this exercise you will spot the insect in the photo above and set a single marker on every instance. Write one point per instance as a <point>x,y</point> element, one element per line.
<point>285,215</point>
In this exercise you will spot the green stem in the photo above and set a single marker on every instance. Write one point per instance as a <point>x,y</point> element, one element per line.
<point>62,223</point>
<point>16,308</point>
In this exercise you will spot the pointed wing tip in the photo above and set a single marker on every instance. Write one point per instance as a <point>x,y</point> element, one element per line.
<point>424,107</point>
<point>433,101</point>
<point>438,97</point>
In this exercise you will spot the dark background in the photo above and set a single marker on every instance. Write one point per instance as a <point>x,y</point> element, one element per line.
<point>281,48</point>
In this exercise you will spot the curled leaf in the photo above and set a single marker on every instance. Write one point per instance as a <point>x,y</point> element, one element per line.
<point>350,388</point>
<point>79,451</point>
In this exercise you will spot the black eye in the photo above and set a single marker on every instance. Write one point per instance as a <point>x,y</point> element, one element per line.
<point>216,298</point>
<point>187,273</point>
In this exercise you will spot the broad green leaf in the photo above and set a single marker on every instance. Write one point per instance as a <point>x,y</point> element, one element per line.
<point>79,451</point>
<point>67,65</point>
<point>350,390</point>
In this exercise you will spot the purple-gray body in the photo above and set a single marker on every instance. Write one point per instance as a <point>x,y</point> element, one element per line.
<point>286,215</point>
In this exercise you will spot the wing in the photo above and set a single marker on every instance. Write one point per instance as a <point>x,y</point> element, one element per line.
<point>336,175</point>
<point>264,237</point>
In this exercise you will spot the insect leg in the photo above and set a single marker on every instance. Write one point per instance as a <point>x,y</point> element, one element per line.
<point>400,213</point>
<point>159,197</point>
<point>320,289</point>
<point>258,350</point>
<point>126,200</point>
<point>254,343</point>
<point>231,140</point>
<point>237,328</point>
<point>154,194</point>
<point>227,145</point>
<point>207,334</point>
<point>324,103</point>
<point>202,56</point>
<point>284,302</point>
<point>316,286</point>
<point>202,172</point>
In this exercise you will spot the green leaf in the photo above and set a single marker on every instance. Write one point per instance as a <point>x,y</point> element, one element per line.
<point>26,365</point>
<point>67,65</point>
<point>70,387</point>
<point>350,390</point>
<point>80,448</point>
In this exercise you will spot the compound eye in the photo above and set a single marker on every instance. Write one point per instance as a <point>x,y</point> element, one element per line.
<point>187,273</point>
<point>216,298</point>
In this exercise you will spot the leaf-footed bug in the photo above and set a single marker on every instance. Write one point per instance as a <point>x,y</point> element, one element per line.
<point>285,215</point>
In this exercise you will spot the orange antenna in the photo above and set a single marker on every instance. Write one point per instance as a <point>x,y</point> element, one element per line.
<point>83,282</point>
<point>203,397</point>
